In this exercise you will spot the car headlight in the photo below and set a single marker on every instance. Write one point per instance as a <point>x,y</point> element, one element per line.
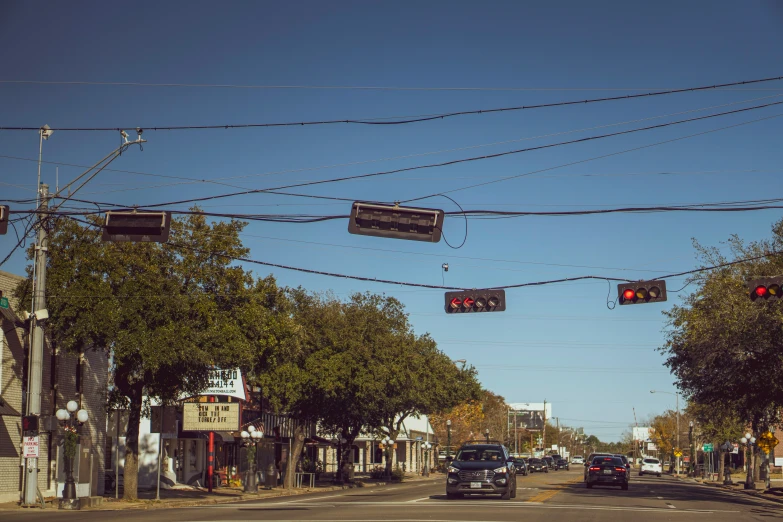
<point>504,469</point>
<point>452,469</point>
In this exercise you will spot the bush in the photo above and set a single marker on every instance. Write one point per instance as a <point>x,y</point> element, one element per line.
<point>398,474</point>
<point>378,472</point>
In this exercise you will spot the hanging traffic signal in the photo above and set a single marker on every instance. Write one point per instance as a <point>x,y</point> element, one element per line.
<point>133,226</point>
<point>375,219</point>
<point>641,292</point>
<point>4,210</point>
<point>768,288</point>
<point>30,423</point>
<point>465,301</point>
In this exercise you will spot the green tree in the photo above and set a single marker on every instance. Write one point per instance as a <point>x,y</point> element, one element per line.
<point>721,346</point>
<point>164,313</point>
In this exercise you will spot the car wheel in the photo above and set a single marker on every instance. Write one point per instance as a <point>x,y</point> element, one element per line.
<point>451,496</point>
<point>546,470</point>
<point>659,475</point>
<point>625,487</point>
<point>506,495</point>
<point>641,473</point>
<point>589,486</point>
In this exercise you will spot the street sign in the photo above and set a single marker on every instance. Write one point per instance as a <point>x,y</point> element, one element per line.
<point>677,453</point>
<point>707,447</point>
<point>686,459</point>
<point>735,451</point>
<point>30,447</point>
<point>3,302</point>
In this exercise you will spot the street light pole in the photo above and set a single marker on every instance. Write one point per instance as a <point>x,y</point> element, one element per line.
<point>70,419</point>
<point>486,434</point>
<point>677,395</point>
<point>448,436</point>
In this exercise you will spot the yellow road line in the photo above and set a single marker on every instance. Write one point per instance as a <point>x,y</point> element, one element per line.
<point>548,494</point>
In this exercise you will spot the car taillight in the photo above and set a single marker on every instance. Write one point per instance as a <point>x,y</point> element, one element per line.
<point>621,470</point>
<point>595,468</point>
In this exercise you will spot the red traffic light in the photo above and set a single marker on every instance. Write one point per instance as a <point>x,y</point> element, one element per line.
<point>468,302</point>
<point>456,302</point>
<point>473,301</point>
<point>629,294</point>
<point>641,292</point>
<point>761,291</point>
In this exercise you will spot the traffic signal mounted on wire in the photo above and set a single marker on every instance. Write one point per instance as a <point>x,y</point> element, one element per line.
<point>394,221</point>
<point>30,423</point>
<point>474,301</point>
<point>135,226</point>
<point>766,289</point>
<point>4,210</point>
<point>641,292</point>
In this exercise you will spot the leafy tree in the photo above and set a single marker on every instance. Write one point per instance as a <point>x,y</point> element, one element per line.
<point>165,313</point>
<point>722,347</point>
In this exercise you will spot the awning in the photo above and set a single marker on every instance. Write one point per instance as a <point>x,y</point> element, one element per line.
<point>5,409</point>
<point>225,436</point>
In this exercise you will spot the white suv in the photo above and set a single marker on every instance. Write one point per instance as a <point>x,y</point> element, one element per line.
<point>578,459</point>
<point>651,466</point>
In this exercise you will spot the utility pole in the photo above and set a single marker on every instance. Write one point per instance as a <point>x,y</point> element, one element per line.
<point>557,419</point>
<point>36,340</point>
<point>543,431</point>
<point>35,375</point>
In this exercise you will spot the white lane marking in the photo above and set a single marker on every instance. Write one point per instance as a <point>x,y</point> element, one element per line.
<point>670,506</point>
<point>482,505</point>
<point>417,500</point>
<point>660,498</point>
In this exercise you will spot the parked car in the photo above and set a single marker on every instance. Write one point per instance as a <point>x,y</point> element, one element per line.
<point>482,469</point>
<point>651,466</point>
<point>521,466</point>
<point>563,464</point>
<point>550,462</point>
<point>607,471</point>
<point>537,465</point>
<point>577,459</point>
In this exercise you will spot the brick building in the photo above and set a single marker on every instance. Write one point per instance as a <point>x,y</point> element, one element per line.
<point>80,377</point>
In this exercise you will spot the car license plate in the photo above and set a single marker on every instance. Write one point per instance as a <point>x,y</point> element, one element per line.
<point>475,485</point>
<point>607,472</point>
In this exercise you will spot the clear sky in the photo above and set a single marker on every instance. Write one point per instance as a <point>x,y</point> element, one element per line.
<point>560,342</point>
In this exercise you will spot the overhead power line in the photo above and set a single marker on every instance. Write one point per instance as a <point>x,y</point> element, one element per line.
<point>344,87</point>
<point>488,156</point>
<point>420,119</point>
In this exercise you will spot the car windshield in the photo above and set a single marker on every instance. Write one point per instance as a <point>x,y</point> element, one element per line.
<point>535,461</point>
<point>480,454</point>
<point>612,461</point>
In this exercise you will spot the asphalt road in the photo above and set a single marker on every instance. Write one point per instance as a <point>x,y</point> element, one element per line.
<point>559,496</point>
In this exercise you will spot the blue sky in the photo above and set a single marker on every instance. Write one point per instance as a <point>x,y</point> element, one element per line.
<point>551,341</point>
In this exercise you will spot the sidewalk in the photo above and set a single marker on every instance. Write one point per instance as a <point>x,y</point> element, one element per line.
<point>192,496</point>
<point>774,494</point>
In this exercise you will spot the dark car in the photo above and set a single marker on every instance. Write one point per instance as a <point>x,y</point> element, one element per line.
<point>607,471</point>
<point>537,465</point>
<point>563,464</point>
<point>521,466</point>
<point>592,456</point>
<point>550,462</point>
<point>627,462</point>
<point>482,469</point>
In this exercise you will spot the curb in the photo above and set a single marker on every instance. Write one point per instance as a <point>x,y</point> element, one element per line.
<point>751,493</point>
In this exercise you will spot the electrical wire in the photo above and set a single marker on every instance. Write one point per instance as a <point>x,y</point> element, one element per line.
<point>410,120</point>
<point>491,156</point>
<point>593,158</point>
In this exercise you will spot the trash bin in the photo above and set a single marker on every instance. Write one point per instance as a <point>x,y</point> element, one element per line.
<point>271,476</point>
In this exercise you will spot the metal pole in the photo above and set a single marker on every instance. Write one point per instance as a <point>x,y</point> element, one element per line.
<point>117,459</point>
<point>677,394</point>
<point>543,432</point>
<point>36,341</point>
<point>160,451</point>
<point>211,455</point>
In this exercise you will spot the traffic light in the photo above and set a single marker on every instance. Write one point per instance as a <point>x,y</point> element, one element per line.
<point>136,226</point>
<point>30,423</point>
<point>641,292</point>
<point>4,210</point>
<point>768,288</point>
<point>474,301</point>
<point>375,219</point>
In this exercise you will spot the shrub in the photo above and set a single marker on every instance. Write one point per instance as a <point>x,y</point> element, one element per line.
<point>378,472</point>
<point>398,474</point>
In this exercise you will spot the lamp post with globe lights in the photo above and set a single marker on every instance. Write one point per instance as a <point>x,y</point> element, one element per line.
<point>749,440</point>
<point>486,434</point>
<point>70,419</point>
<point>388,444</point>
<point>250,439</point>
<point>426,447</point>
<point>448,437</point>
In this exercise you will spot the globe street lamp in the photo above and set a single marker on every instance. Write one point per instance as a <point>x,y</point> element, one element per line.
<point>448,436</point>
<point>692,470</point>
<point>749,440</point>
<point>388,444</point>
<point>676,394</point>
<point>486,434</point>
<point>426,447</point>
<point>70,441</point>
<point>250,440</point>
